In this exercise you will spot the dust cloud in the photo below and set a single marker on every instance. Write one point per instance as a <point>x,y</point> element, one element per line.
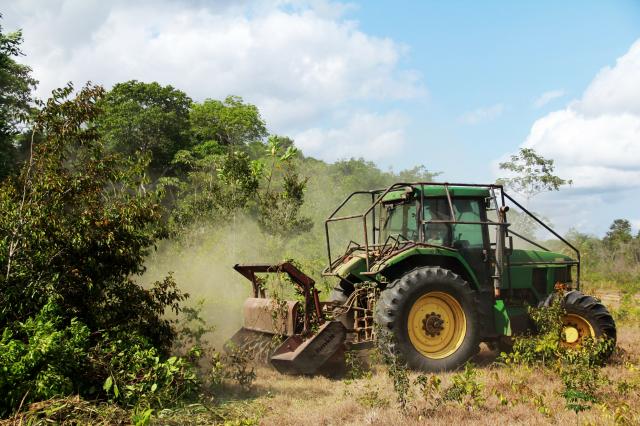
<point>202,265</point>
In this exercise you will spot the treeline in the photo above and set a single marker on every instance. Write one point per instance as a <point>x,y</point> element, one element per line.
<point>612,261</point>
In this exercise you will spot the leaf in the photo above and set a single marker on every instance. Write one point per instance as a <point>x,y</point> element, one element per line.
<point>154,387</point>
<point>107,384</point>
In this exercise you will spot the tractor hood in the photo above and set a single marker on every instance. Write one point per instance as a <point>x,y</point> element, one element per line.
<point>526,256</point>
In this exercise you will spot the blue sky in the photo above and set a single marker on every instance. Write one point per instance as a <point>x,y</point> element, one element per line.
<point>479,54</point>
<point>456,86</point>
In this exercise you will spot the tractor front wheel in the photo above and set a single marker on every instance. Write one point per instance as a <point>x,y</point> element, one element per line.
<point>585,317</point>
<point>429,318</point>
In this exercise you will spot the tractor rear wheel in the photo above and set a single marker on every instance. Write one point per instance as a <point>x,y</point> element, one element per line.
<point>585,317</point>
<point>429,318</point>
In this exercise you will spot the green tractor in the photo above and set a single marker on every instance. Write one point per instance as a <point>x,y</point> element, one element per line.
<point>435,273</point>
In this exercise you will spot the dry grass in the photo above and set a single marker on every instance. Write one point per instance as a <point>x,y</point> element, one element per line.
<point>513,395</point>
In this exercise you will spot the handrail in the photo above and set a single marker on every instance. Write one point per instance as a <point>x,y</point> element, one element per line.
<point>379,194</point>
<point>567,243</point>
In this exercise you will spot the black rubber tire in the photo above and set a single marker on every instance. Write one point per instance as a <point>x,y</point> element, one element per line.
<point>591,309</point>
<point>395,302</point>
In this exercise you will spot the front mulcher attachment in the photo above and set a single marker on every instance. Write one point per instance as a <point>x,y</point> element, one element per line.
<point>312,343</point>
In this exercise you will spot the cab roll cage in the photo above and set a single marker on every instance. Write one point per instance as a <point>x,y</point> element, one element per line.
<point>378,195</point>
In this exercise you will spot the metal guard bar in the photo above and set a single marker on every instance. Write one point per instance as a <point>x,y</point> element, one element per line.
<point>382,193</point>
<point>548,228</point>
<point>305,282</point>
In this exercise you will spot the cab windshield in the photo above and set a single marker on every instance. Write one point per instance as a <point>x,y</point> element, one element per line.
<point>399,220</point>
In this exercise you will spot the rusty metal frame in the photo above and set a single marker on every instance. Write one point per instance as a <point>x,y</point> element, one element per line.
<point>379,194</point>
<point>305,282</point>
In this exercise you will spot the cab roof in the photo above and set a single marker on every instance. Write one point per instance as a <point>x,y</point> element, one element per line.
<point>438,191</point>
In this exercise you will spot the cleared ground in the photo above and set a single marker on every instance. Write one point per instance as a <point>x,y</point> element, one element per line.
<point>513,395</point>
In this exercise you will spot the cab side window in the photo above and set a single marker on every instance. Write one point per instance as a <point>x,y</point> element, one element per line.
<point>460,235</point>
<point>467,235</point>
<point>437,233</point>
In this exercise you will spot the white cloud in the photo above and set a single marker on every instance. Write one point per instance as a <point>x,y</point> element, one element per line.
<point>595,140</point>
<point>482,115</point>
<point>547,97</point>
<point>371,136</point>
<point>299,61</point>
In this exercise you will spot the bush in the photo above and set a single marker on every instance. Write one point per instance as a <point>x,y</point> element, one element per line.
<point>75,227</point>
<point>465,388</point>
<point>136,374</point>
<point>41,358</point>
<point>579,368</point>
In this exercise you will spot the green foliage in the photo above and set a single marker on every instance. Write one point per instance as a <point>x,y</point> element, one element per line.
<point>16,85</point>
<point>239,367</point>
<point>192,328</point>
<point>41,358</point>
<point>580,374</point>
<point>370,397</point>
<point>134,372</point>
<point>398,372</point>
<point>236,365</point>
<point>545,346</point>
<point>228,122</point>
<point>619,233</point>
<point>75,227</point>
<point>219,183</point>
<point>147,119</point>
<point>356,369</point>
<point>279,209</point>
<point>77,224</point>
<point>465,388</point>
<point>612,262</point>
<point>533,174</point>
<point>579,368</point>
<point>430,390</point>
<point>141,417</point>
<point>628,311</point>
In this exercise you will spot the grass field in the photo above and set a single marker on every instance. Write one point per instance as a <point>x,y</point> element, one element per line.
<point>512,395</point>
<point>497,394</point>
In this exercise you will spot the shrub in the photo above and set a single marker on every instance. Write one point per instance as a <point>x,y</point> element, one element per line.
<point>465,388</point>
<point>135,372</point>
<point>41,358</point>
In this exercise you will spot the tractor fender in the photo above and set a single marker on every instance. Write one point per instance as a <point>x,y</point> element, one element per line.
<point>452,261</point>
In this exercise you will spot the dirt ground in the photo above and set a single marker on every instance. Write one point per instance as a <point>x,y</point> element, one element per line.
<point>512,395</point>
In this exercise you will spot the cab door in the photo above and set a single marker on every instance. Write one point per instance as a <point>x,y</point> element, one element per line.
<point>472,239</point>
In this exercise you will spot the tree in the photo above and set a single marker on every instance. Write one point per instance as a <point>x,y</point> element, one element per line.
<point>147,119</point>
<point>228,122</point>
<point>533,174</point>
<point>16,85</point>
<point>76,226</point>
<point>619,233</point>
<point>219,183</point>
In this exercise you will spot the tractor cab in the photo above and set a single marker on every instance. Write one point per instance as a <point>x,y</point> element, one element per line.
<point>427,218</point>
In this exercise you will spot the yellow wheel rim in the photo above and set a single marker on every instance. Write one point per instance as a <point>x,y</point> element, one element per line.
<point>575,329</point>
<point>437,325</point>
